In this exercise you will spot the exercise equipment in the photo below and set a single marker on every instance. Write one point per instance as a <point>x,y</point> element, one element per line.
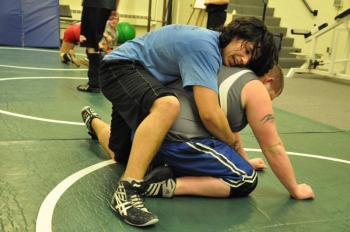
<point>126,32</point>
<point>313,61</point>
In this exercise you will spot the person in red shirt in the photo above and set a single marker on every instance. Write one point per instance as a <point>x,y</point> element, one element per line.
<point>72,37</point>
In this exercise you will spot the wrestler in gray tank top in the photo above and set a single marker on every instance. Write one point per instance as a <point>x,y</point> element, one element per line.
<point>231,82</point>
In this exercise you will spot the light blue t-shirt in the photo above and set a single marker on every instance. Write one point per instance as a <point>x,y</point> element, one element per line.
<point>176,51</point>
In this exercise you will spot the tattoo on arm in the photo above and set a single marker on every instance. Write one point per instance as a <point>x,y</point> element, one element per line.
<point>267,118</point>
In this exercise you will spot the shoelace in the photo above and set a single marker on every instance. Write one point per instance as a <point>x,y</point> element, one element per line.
<point>137,202</point>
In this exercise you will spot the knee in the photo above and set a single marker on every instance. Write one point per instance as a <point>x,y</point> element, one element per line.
<point>243,190</point>
<point>168,106</point>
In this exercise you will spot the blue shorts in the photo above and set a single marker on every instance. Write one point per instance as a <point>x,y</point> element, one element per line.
<point>207,157</point>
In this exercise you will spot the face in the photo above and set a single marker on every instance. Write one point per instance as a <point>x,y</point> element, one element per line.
<point>237,53</point>
<point>113,22</point>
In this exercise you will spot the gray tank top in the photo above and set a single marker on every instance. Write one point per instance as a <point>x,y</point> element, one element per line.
<point>231,82</point>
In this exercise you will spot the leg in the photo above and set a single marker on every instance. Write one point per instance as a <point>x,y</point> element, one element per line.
<point>206,167</point>
<point>65,49</point>
<point>161,183</point>
<point>103,133</point>
<point>205,186</point>
<point>150,134</point>
<point>93,23</point>
<point>149,109</point>
<point>148,143</point>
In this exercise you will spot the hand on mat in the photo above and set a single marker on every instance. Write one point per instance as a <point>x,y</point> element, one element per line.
<point>75,60</point>
<point>258,164</point>
<point>303,192</point>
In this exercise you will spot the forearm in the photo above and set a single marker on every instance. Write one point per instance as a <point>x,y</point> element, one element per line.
<point>243,153</point>
<point>216,123</point>
<point>281,166</point>
<point>240,147</point>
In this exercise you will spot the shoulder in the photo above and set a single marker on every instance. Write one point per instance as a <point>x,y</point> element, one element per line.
<point>254,92</point>
<point>196,37</point>
<point>235,74</point>
<point>234,79</point>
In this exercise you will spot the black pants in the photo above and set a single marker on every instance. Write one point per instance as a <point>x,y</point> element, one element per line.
<point>216,16</point>
<point>132,90</point>
<point>93,23</point>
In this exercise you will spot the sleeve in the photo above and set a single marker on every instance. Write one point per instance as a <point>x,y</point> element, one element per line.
<point>200,69</point>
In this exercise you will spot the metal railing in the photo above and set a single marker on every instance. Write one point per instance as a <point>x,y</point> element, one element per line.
<point>313,12</point>
<point>266,2</point>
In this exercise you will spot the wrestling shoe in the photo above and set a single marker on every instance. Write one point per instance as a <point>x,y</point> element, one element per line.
<point>88,88</point>
<point>160,182</point>
<point>127,202</point>
<point>66,58</point>
<point>87,113</point>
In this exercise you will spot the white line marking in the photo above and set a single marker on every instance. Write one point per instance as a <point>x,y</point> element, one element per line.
<point>38,118</point>
<point>41,119</point>
<point>44,219</point>
<point>306,155</point>
<point>29,49</point>
<point>35,78</point>
<point>50,69</point>
<point>36,50</point>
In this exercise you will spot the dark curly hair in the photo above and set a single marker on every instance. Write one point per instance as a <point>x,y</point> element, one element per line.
<point>251,29</point>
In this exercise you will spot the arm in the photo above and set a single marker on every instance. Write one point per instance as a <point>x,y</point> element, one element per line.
<point>240,147</point>
<point>212,116</point>
<point>257,163</point>
<point>260,117</point>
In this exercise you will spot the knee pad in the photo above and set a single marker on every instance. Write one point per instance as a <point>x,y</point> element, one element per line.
<point>243,190</point>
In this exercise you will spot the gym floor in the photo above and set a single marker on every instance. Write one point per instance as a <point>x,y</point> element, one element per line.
<point>53,177</point>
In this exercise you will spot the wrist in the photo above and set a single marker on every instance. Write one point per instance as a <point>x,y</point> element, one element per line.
<point>293,190</point>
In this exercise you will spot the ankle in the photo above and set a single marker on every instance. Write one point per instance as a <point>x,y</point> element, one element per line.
<point>94,123</point>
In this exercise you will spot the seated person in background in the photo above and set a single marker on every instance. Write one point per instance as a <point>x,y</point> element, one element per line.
<point>72,37</point>
<point>205,166</point>
<point>110,36</point>
<point>216,13</point>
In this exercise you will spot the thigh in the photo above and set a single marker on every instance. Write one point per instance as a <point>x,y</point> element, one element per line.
<point>206,157</point>
<point>131,89</point>
<point>66,47</point>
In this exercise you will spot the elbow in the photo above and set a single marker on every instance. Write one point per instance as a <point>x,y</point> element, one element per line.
<point>208,118</point>
<point>273,149</point>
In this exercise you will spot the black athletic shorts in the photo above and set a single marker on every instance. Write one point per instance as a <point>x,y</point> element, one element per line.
<point>132,91</point>
<point>93,23</point>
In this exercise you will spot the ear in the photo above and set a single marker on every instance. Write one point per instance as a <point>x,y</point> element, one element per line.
<point>266,79</point>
